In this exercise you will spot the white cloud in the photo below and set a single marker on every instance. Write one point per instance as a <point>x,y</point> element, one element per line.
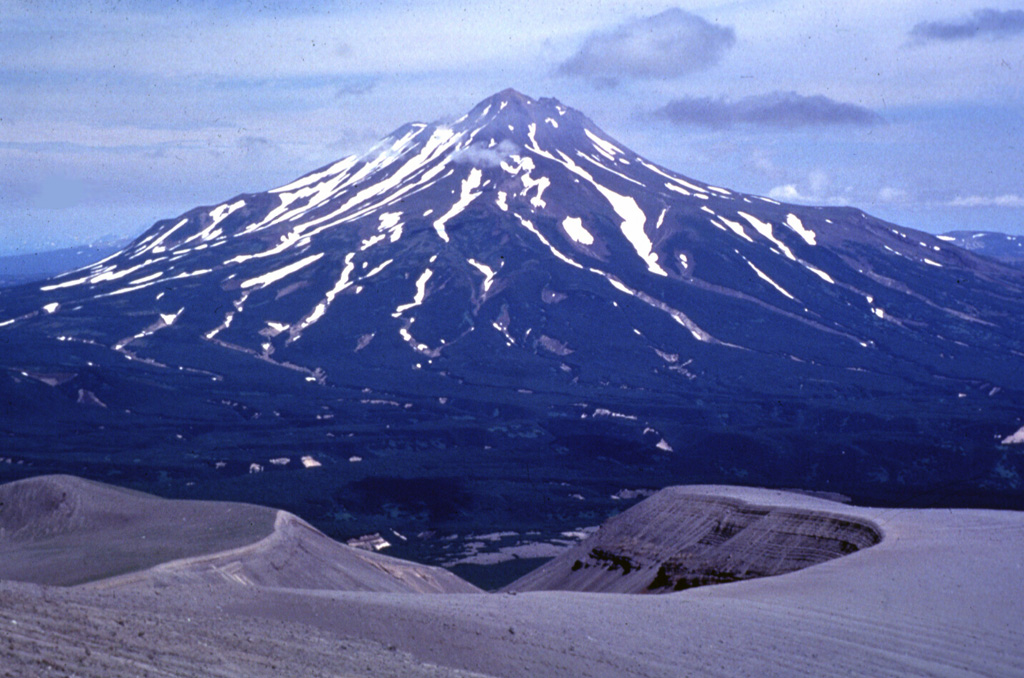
<point>480,155</point>
<point>760,161</point>
<point>787,193</point>
<point>891,195</point>
<point>816,190</point>
<point>1006,200</point>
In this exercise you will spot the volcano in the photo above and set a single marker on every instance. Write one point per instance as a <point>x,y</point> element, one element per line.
<point>515,313</point>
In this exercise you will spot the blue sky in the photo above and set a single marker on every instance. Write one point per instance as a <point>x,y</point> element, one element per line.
<point>116,114</point>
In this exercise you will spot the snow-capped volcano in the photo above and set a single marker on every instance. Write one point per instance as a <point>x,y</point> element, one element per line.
<point>448,222</point>
<point>521,256</point>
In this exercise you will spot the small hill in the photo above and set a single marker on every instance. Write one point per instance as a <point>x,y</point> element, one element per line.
<point>65,531</point>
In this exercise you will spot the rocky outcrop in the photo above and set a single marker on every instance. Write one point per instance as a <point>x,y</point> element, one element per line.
<point>679,539</point>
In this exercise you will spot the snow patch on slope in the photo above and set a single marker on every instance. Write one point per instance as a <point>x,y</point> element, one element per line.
<point>344,282</point>
<point>633,218</point>
<point>793,221</point>
<point>818,272</point>
<point>468,195</point>
<point>272,277</point>
<point>676,180</point>
<point>765,230</point>
<point>1015,438</point>
<point>486,270</point>
<point>421,293</point>
<point>390,223</point>
<point>763,276</point>
<point>540,183</point>
<point>218,215</point>
<point>735,227</point>
<point>573,227</point>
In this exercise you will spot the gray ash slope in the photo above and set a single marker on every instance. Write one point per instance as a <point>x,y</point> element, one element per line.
<point>65,531</point>
<point>517,287</point>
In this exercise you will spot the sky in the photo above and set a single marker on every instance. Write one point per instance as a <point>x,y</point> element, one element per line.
<point>115,114</point>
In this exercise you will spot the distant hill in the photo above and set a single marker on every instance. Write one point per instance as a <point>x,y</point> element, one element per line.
<point>1001,246</point>
<point>16,269</point>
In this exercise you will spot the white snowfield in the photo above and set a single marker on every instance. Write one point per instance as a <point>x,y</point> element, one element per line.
<point>218,215</point>
<point>633,218</point>
<point>344,282</point>
<point>940,595</point>
<point>765,229</point>
<point>697,332</point>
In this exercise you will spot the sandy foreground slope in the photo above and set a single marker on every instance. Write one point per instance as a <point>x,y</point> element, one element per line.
<point>942,594</point>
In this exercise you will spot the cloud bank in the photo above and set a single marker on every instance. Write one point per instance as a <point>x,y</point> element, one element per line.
<point>775,109</point>
<point>668,45</point>
<point>991,23</point>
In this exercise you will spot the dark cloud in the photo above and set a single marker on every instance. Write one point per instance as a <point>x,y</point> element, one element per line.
<point>991,23</point>
<point>357,85</point>
<point>776,109</point>
<point>667,45</point>
<point>256,145</point>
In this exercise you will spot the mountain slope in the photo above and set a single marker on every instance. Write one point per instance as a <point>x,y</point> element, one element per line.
<point>518,291</point>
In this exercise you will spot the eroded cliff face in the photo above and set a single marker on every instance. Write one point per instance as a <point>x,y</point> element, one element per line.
<point>677,540</point>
